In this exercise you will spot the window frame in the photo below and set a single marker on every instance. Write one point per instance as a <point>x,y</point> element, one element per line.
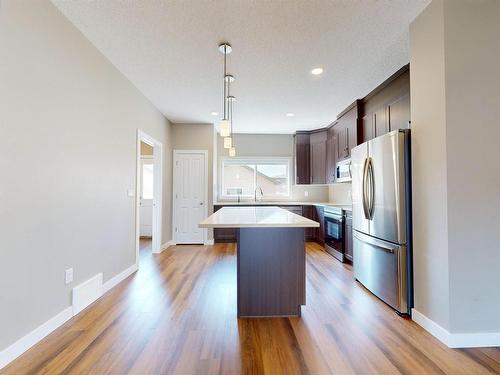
<point>256,161</point>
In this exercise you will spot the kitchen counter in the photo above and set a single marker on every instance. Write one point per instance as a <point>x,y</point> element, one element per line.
<point>271,259</point>
<point>345,207</point>
<point>256,217</point>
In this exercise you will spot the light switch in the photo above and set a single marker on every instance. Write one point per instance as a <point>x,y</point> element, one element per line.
<point>130,192</point>
<point>306,193</point>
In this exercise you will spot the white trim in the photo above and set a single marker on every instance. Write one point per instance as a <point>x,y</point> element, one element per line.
<point>86,293</point>
<point>167,244</point>
<point>175,187</point>
<point>115,280</point>
<point>157,189</point>
<point>208,242</point>
<point>26,342</point>
<point>456,340</point>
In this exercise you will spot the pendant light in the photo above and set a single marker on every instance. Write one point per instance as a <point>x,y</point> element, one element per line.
<point>232,150</point>
<point>228,141</point>
<point>225,124</point>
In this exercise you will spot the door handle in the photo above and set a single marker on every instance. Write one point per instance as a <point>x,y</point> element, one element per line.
<point>371,209</point>
<point>201,203</point>
<point>363,194</point>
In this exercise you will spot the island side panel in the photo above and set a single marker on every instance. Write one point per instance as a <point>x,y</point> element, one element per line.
<point>271,271</point>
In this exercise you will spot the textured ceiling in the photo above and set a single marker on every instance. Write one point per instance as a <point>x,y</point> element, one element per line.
<point>168,49</point>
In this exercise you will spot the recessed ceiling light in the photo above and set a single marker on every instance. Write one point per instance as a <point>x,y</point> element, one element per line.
<point>214,113</point>
<point>290,114</point>
<point>317,71</point>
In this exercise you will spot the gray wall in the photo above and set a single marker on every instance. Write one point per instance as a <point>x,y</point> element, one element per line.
<point>68,123</point>
<point>257,145</point>
<point>455,90</point>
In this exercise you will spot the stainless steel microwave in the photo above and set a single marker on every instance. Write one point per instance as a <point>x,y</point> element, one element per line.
<point>343,171</point>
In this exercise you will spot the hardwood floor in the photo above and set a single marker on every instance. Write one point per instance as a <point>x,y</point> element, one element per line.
<point>177,315</point>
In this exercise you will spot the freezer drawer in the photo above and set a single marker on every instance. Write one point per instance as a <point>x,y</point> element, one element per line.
<point>381,267</point>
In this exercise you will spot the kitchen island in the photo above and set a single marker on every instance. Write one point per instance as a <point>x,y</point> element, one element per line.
<point>271,264</point>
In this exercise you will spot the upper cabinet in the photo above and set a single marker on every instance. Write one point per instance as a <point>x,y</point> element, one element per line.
<point>346,129</point>
<point>302,158</point>
<point>318,157</point>
<point>387,108</point>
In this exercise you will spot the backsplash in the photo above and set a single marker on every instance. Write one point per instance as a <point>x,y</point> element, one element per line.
<point>340,193</point>
<point>315,193</point>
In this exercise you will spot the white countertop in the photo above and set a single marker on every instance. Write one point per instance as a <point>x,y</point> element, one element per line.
<point>346,207</point>
<point>256,217</point>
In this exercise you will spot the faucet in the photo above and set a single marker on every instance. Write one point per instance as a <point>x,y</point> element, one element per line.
<point>255,193</point>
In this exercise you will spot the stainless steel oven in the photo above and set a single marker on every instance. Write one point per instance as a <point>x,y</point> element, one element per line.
<point>334,232</point>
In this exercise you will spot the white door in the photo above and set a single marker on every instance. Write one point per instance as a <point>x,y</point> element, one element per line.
<point>146,198</point>
<point>190,192</point>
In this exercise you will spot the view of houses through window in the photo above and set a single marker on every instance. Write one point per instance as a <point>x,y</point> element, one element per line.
<point>241,177</point>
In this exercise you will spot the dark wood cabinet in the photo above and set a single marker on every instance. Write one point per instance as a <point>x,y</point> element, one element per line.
<point>348,242</point>
<point>387,108</point>
<point>224,234</point>
<point>331,154</point>
<point>320,218</point>
<point>318,142</point>
<point>346,130</point>
<point>398,113</point>
<point>302,158</point>
<point>310,233</point>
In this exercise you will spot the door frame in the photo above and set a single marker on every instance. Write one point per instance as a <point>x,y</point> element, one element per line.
<point>156,245</point>
<point>175,189</point>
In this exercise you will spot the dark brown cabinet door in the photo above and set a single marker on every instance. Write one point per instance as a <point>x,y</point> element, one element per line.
<point>348,242</point>
<point>310,233</point>
<point>318,157</point>
<point>320,218</point>
<point>398,113</point>
<point>331,155</point>
<point>368,128</point>
<point>380,123</point>
<point>302,159</point>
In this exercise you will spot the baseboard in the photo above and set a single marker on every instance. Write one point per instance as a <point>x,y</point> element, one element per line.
<point>456,340</point>
<point>208,242</point>
<point>23,344</point>
<point>166,245</point>
<point>86,293</point>
<point>111,283</point>
<point>89,290</point>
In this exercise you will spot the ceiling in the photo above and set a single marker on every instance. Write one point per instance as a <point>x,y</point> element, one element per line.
<point>168,50</point>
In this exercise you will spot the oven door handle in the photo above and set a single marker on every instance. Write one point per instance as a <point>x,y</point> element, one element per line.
<point>364,188</point>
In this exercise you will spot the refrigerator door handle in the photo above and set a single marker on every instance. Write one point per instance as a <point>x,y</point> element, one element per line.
<point>365,179</point>
<point>371,208</point>
<point>388,247</point>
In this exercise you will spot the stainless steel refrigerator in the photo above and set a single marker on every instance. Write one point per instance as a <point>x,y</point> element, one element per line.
<point>381,197</point>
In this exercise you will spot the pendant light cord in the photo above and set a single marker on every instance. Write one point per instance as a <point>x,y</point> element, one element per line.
<point>224,80</point>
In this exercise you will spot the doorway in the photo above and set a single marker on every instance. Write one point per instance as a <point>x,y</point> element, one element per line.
<point>149,188</point>
<point>190,196</point>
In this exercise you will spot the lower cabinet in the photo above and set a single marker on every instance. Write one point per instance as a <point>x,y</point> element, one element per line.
<point>311,233</point>
<point>348,236</point>
<point>319,216</point>
<point>224,234</point>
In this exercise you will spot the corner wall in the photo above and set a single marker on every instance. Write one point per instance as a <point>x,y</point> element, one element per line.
<point>455,93</point>
<point>68,124</point>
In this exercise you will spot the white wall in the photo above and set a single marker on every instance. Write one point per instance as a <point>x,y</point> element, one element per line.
<point>68,123</point>
<point>455,92</point>
<point>430,189</point>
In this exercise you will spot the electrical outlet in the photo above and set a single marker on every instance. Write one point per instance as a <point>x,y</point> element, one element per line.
<point>68,276</point>
<point>306,193</point>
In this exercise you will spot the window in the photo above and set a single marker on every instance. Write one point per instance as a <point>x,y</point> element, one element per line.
<point>240,177</point>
